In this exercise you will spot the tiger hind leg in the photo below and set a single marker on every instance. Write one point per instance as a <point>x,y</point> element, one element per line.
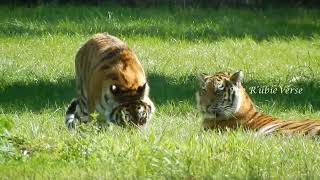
<point>75,114</point>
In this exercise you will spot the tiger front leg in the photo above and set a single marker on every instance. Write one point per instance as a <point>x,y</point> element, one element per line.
<point>74,115</point>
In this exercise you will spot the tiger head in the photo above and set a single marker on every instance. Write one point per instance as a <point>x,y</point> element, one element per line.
<point>134,114</point>
<point>124,91</point>
<point>220,95</point>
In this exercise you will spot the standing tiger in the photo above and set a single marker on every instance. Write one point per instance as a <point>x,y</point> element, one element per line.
<point>224,103</point>
<point>110,80</point>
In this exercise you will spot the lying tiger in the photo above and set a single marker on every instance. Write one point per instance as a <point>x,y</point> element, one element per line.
<point>224,103</point>
<point>110,80</point>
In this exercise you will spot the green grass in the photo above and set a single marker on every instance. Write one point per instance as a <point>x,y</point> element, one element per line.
<point>272,47</point>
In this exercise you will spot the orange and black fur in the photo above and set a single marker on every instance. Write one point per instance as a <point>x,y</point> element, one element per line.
<point>111,81</point>
<point>224,103</point>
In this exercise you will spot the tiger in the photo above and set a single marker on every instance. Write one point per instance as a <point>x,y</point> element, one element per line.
<point>111,82</point>
<point>224,104</point>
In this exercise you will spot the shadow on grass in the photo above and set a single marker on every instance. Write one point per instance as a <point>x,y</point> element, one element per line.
<point>21,97</point>
<point>36,96</point>
<point>186,24</point>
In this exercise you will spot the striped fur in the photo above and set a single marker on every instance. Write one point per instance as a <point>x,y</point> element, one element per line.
<point>131,114</point>
<point>224,103</point>
<point>109,76</point>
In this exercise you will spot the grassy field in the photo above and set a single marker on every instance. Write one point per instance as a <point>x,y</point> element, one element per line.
<point>272,47</point>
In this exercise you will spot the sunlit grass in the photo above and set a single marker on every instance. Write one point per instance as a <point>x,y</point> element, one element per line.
<point>272,47</point>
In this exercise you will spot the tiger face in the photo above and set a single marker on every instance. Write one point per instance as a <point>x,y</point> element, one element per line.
<point>132,114</point>
<point>219,97</point>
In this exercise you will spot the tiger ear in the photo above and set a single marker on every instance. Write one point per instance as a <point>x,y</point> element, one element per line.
<point>142,88</point>
<point>202,78</point>
<point>237,78</point>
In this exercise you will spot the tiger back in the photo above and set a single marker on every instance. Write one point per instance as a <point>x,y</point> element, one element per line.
<point>108,75</point>
<point>224,103</point>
